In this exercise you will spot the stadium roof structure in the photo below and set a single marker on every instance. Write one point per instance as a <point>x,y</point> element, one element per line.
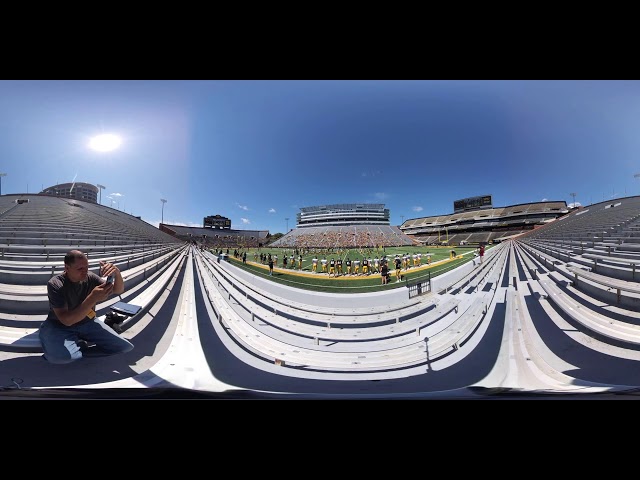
<point>343,206</point>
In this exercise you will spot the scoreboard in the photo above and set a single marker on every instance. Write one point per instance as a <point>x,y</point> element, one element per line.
<point>217,221</point>
<point>472,203</point>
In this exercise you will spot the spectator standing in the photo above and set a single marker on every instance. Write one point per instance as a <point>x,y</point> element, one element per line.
<point>384,272</point>
<point>398,264</point>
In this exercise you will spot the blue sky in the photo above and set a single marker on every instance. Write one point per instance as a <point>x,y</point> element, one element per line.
<point>257,151</point>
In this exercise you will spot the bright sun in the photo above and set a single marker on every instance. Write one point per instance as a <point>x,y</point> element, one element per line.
<point>105,142</point>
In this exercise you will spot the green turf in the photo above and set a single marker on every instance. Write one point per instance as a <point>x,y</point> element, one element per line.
<point>351,284</point>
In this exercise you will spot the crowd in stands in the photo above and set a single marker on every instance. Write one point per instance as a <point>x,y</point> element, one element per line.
<point>344,237</point>
<point>216,238</point>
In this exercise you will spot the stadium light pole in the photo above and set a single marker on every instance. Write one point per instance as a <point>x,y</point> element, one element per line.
<point>1,175</point>
<point>401,219</point>
<point>287,220</point>
<point>574,199</point>
<point>101,187</point>
<point>637,175</point>
<point>163,202</point>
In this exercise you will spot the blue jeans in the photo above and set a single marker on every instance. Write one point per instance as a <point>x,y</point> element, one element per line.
<point>59,342</point>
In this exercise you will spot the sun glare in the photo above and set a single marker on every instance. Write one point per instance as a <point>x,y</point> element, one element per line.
<point>105,142</point>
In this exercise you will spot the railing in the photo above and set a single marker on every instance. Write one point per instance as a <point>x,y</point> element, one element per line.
<point>419,287</point>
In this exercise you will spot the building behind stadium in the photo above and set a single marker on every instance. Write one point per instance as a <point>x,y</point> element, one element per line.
<point>343,214</point>
<point>78,190</point>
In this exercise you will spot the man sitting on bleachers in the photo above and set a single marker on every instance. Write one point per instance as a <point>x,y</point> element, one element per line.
<point>72,330</point>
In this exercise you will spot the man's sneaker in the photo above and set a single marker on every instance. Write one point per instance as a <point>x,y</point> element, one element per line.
<point>83,345</point>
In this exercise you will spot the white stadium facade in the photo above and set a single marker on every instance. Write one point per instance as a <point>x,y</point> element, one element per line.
<point>344,225</point>
<point>343,214</point>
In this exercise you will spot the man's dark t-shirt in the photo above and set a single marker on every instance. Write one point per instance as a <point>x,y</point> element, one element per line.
<point>61,291</point>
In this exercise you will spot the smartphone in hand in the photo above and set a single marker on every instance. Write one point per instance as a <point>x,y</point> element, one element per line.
<point>110,279</point>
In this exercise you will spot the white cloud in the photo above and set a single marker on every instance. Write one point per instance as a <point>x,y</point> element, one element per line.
<point>381,195</point>
<point>243,207</point>
<point>272,210</point>
<point>245,221</point>
<point>574,205</point>
<point>117,195</point>
<point>544,200</point>
<point>417,209</point>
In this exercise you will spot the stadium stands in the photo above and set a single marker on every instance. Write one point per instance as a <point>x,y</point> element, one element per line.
<point>483,226</point>
<point>551,311</point>
<point>217,238</point>
<point>344,237</point>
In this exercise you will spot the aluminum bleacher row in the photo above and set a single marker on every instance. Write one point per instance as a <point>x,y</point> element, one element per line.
<point>536,315</point>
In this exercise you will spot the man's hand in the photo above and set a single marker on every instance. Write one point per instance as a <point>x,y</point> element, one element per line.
<point>107,269</point>
<point>101,292</point>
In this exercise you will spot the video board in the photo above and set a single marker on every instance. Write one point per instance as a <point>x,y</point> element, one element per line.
<point>217,221</point>
<point>472,203</point>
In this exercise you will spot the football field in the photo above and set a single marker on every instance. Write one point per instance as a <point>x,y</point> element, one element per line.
<point>433,261</point>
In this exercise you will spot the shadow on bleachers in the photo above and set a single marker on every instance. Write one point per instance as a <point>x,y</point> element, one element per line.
<point>566,291</point>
